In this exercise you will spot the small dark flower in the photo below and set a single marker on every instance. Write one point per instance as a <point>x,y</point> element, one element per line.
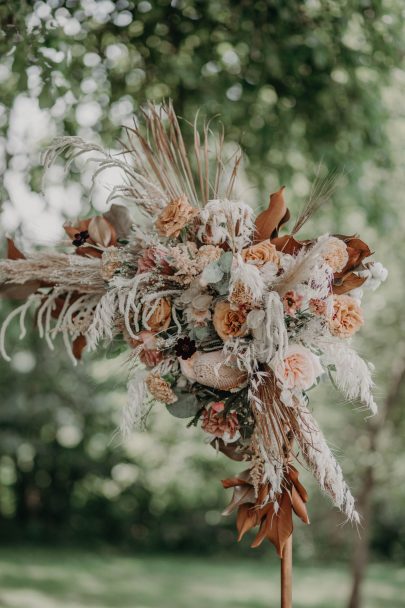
<point>185,348</point>
<point>80,238</point>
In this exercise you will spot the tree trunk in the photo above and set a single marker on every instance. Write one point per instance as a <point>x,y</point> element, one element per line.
<point>361,549</point>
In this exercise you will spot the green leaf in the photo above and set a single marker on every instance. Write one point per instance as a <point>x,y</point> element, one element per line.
<point>116,348</point>
<point>169,378</point>
<point>186,406</point>
<point>225,261</point>
<point>212,273</point>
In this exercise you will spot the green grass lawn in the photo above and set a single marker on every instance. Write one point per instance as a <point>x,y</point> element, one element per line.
<point>41,578</point>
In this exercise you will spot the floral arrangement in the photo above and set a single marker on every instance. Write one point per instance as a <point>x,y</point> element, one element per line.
<point>227,322</point>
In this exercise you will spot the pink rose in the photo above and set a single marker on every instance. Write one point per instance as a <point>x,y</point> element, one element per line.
<point>299,369</point>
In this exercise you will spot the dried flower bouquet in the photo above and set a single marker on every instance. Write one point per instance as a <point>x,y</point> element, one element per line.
<point>227,322</point>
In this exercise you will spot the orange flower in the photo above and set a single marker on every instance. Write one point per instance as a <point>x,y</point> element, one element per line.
<point>159,320</point>
<point>229,323</point>
<point>261,253</point>
<point>177,214</point>
<point>347,316</point>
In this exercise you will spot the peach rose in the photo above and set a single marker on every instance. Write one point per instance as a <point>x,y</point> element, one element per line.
<point>299,369</point>
<point>159,320</point>
<point>261,253</point>
<point>175,216</point>
<point>347,316</point>
<point>336,255</point>
<point>229,323</point>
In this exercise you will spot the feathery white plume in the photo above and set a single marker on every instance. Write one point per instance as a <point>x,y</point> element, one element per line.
<point>351,374</point>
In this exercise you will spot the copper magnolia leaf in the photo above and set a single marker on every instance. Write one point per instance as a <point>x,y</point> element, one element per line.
<point>299,506</point>
<point>264,529</point>
<point>287,244</point>
<point>13,253</point>
<point>268,222</point>
<point>282,524</point>
<point>234,451</point>
<point>241,495</point>
<point>347,283</point>
<point>294,476</point>
<point>357,251</point>
<point>241,479</point>
<point>120,218</point>
<point>247,518</point>
<point>12,291</point>
<point>78,345</point>
<point>101,231</point>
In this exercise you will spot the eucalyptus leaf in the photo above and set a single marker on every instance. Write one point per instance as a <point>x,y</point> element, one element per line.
<point>212,273</point>
<point>225,261</point>
<point>186,406</point>
<point>116,348</point>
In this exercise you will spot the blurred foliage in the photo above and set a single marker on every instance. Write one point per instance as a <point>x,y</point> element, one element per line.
<point>295,83</point>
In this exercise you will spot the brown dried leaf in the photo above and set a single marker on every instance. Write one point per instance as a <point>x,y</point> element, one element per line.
<point>101,232</point>
<point>120,218</point>
<point>78,345</point>
<point>294,476</point>
<point>247,518</point>
<point>269,221</point>
<point>287,244</point>
<point>13,253</point>
<point>299,506</point>
<point>347,283</point>
<point>241,495</point>
<point>357,250</point>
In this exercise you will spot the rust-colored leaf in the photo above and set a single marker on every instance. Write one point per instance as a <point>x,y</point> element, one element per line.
<point>238,480</point>
<point>246,519</point>
<point>264,530</point>
<point>101,232</point>
<point>12,291</point>
<point>269,221</point>
<point>13,253</point>
<point>294,476</point>
<point>120,218</point>
<point>78,345</point>
<point>287,244</point>
<point>232,450</point>
<point>299,506</point>
<point>282,527</point>
<point>347,283</point>
<point>357,251</point>
<point>241,495</point>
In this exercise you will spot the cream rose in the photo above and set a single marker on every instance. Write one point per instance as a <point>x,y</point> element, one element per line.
<point>261,253</point>
<point>335,254</point>
<point>299,369</point>
<point>177,214</point>
<point>229,323</point>
<point>347,316</point>
<point>159,320</point>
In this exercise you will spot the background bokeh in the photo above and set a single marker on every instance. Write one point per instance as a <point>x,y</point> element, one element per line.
<point>302,86</point>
